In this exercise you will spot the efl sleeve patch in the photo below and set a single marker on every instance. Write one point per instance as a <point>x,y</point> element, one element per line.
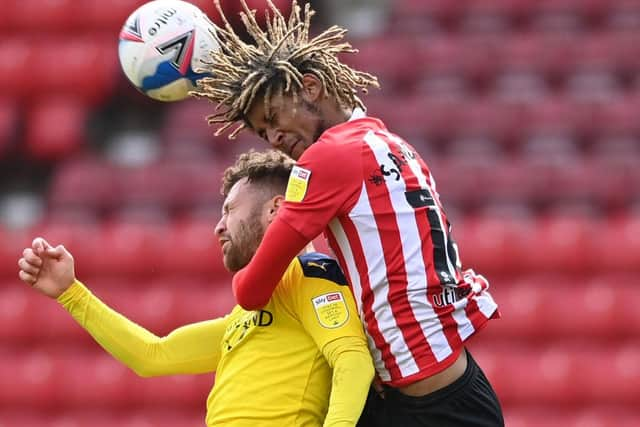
<point>331,310</point>
<point>298,183</point>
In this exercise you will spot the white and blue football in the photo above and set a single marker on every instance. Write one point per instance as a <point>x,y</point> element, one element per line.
<point>162,45</point>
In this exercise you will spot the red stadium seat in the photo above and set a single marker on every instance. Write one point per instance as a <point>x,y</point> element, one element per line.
<point>8,124</point>
<point>129,249</point>
<point>86,67</point>
<point>520,86</point>
<point>172,184</point>
<point>16,307</point>
<point>617,118</point>
<point>108,17</point>
<point>562,243</point>
<point>620,250</point>
<point>70,378</point>
<point>442,9</point>
<point>28,378</point>
<point>13,242</point>
<point>494,119</point>
<point>55,128</point>
<point>535,307</point>
<point>192,248</point>
<point>594,415</point>
<point>16,59</point>
<point>556,115</point>
<point>561,374</point>
<point>440,55</point>
<point>186,133</point>
<point>34,16</point>
<point>86,182</point>
<point>392,60</point>
<point>148,185</point>
<point>443,85</point>
<point>71,417</point>
<point>493,244</point>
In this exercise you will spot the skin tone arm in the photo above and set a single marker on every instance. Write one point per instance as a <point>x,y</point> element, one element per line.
<point>190,349</point>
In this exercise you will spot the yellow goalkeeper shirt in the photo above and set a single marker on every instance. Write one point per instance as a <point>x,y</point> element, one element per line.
<point>273,366</point>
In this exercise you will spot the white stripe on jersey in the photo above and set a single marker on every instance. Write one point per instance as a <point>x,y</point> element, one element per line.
<point>414,263</point>
<point>414,165</point>
<point>365,224</point>
<point>480,286</point>
<point>345,249</point>
<point>465,327</point>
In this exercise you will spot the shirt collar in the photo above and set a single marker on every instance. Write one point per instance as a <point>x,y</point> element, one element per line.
<point>357,113</point>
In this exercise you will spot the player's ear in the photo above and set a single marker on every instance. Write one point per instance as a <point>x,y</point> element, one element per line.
<point>312,88</point>
<point>273,205</point>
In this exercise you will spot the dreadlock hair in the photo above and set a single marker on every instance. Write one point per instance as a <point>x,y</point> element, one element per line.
<point>269,168</point>
<point>275,65</point>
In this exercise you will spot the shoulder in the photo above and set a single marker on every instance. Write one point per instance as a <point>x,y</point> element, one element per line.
<point>321,266</point>
<point>345,137</point>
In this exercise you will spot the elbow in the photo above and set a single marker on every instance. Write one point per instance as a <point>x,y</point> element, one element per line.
<point>370,370</point>
<point>143,371</point>
<point>249,300</point>
<point>251,303</point>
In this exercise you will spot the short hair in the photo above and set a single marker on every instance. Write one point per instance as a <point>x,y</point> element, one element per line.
<point>269,168</point>
<point>241,72</point>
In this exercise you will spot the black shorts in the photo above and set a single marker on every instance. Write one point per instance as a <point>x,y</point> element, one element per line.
<point>467,402</point>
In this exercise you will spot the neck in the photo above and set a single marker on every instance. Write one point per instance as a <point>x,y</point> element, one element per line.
<point>307,249</point>
<point>334,114</point>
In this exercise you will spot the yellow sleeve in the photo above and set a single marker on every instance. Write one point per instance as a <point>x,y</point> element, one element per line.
<point>352,375</point>
<point>326,309</point>
<point>191,349</point>
<point>328,313</point>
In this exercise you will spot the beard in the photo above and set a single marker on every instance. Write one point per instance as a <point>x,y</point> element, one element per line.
<point>244,243</point>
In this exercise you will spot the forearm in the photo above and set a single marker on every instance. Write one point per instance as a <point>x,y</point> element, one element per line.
<point>254,284</point>
<point>188,350</point>
<point>352,375</point>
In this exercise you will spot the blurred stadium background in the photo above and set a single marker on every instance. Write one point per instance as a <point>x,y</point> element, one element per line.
<point>527,111</point>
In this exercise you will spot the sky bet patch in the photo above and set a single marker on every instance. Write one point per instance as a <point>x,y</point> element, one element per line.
<point>298,183</point>
<point>331,310</point>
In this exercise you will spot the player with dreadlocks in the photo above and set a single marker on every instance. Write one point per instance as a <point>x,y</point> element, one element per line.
<point>376,201</point>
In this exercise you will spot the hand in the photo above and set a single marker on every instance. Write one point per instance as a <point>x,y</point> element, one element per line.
<point>47,269</point>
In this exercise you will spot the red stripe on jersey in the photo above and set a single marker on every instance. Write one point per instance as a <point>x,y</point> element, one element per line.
<point>449,325</point>
<point>373,329</point>
<point>475,316</point>
<point>390,238</point>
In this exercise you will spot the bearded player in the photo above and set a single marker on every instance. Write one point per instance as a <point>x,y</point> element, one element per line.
<point>375,199</point>
<point>301,360</point>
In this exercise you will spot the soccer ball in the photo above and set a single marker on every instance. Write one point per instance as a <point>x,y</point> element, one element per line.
<point>162,45</point>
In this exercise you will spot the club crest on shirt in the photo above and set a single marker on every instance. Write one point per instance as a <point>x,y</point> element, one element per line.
<point>297,185</point>
<point>331,310</point>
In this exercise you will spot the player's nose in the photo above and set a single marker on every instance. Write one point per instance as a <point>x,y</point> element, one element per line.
<point>275,138</point>
<point>220,227</point>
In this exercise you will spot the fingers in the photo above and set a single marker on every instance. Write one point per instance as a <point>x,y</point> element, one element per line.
<point>31,257</point>
<point>58,252</point>
<point>27,277</point>
<point>39,244</point>
<point>27,267</point>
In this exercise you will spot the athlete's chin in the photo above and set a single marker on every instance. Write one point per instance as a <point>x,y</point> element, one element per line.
<point>233,263</point>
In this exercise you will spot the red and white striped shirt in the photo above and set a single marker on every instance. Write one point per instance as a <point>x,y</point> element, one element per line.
<point>377,203</point>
